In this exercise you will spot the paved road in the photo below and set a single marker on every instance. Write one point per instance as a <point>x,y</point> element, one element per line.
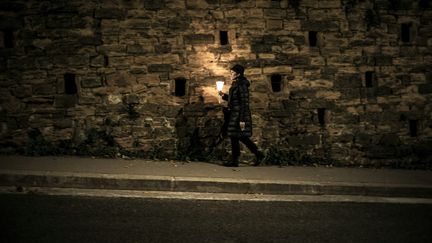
<point>43,218</point>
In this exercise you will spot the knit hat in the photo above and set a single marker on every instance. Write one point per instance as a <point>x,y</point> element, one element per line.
<point>238,69</point>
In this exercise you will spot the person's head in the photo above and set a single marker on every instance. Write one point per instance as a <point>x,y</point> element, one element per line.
<point>236,71</point>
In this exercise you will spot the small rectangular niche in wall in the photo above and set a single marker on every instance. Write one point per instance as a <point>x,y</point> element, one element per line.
<point>106,61</point>
<point>406,32</point>
<point>369,79</point>
<point>276,82</point>
<point>180,87</point>
<point>70,83</point>
<point>321,116</point>
<point>413,126</point>
<point>313,39</point>
<point>223,36</point>
<point>8,38</point>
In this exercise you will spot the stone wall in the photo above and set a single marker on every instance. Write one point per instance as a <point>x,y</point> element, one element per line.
<point>348,80</point>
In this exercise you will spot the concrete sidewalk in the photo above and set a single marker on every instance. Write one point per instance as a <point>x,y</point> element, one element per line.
<point>119,174</point>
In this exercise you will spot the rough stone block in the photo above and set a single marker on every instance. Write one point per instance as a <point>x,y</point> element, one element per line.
<point>383,60</point>
<point>91,40</point>
<point>290,105</point>
<point>7,22</point>
<point>179,23</point>
<point>266,56</point>
<point>132,99</point>
<point>120,62</point>
<point>147,59</point>
<point>65,21</point>
<point>156,68</point>
<point>254,23</point>
<point>346,119</point>
<point>44,89</point>
<point>253,71</point>
<point>274,24</point>
<point>275,13</point>
<point>12,6</point>
<point>361,42</point>
<point>329,4</point>
<point>110,13</point>
<point>98,61</point>
<point>348,80</point>
<point>261,48</point>
<point>405,79</point>
<point>135,49</point>
<point>154,4</point>
<point>363,138</point>
<point>390,140</point>
<point>319,61</point>
<point>425,88</point>
<point>352,94</point>
<point>78,60</point>
<point>304,140</point>
<point>22,91</point>
<point>89,100</point>
<point>407,51</point>
<point>293,59</point>
<point>234,13</point>
<point>163,48</point>
<point>110,27</point>
<point>299,40</point>
<point>302,94</point>
<point>277,69</point>
<point>65,101</point>
<point>63,123</point>
<point>270,39</point>
<point>91,82</point>
<point>429,77</point>
<point>112,50</point>
<point>308,25</point>
<point>136,24</point>
<point>329,95</point>
<point>384,91</point>
<point>344,138</point>
<point>340,60</point>
<point>138,70</point>
<point>270,132</point>
<point>196,4</point>
<point>197,39</point>
<point>125,79</point>
<point>3,63</point>
<point>21,63</point>
<point>419,67</point>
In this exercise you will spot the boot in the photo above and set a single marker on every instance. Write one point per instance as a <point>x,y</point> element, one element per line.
<point>232,163</point>
<point>259,157</point>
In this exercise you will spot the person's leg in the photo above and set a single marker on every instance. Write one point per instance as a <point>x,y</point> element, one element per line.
<point>235,152</point>
<point>249,144</point>
<point>254,149</point>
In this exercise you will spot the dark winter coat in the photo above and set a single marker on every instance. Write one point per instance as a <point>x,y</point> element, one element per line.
<point>238,104</point>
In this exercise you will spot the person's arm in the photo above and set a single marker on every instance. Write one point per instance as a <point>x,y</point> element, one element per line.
<point>244,101</point>
<point>223,95</point>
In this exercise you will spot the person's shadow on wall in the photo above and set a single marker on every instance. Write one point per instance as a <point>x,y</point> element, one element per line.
<point>199,132</point>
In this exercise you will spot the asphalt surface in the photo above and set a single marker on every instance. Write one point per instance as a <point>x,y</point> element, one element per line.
<point>47,218</point>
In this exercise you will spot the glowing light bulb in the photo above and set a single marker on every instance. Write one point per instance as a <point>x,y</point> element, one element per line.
<point>219,85</point>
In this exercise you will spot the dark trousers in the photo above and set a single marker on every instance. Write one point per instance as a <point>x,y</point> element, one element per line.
<point>235,145</point>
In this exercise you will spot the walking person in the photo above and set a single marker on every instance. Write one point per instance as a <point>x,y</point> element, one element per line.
<point>240,120</point>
